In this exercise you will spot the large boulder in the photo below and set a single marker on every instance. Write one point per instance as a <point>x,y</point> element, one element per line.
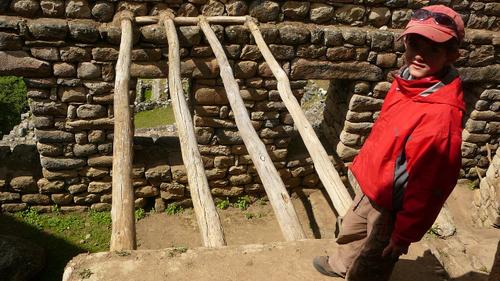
<point>20,259</point>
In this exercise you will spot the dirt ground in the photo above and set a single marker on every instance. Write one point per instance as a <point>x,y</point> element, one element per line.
<point>170,248</point>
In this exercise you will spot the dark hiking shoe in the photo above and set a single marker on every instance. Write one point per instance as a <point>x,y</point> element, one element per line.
<point>321,264</point>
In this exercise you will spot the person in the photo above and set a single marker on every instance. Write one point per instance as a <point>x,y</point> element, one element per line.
<point>411,160</point>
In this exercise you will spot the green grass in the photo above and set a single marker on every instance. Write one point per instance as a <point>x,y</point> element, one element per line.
<point>148,94</point>
<point>173,209</point>
<point>154,118</point>
<point>63,236</point>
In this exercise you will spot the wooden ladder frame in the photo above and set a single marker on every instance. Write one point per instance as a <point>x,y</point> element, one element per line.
<point>123,232</point>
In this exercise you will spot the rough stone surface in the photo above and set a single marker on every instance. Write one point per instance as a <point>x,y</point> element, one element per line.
<point>21,259</point>
<point>19,63</point>
<point>311,69</point>
<point>264,11</point>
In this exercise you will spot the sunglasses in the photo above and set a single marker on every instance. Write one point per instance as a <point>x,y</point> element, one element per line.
<point>439,18</point>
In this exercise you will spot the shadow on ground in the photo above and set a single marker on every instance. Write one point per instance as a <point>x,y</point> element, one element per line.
<point>58,251</point>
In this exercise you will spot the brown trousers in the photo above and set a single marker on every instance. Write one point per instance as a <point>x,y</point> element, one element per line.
<point>365,232</point>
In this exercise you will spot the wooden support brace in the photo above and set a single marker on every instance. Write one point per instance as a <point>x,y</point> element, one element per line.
<point>328,175</point>
<point>206,214</point>
<point>274,186</point>
<point>122,208</point>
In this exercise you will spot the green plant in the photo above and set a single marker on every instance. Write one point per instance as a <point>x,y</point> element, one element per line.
<point>139,214</point>
<point>103,218</point>
<point>12,102</point>
<point>249,215</point>
<point>242,203</point>
<point>173,209</point>
<point>223,204</point>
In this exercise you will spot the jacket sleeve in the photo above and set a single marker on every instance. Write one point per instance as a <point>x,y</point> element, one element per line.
<point>433,165</point>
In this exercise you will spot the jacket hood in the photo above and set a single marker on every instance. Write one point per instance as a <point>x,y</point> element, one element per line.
<point>443,89</point>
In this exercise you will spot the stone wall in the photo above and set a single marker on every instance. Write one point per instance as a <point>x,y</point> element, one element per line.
<point>486,210</point>
<point>66,50</point>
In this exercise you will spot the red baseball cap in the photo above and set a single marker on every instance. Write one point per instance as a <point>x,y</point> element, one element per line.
<point>430,27</point>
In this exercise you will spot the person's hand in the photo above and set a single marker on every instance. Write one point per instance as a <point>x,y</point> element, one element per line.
<point>394,251</point>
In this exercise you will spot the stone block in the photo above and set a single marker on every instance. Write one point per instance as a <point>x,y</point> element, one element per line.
<point>64,70</point>
<point>10,41</point>
<point>19,63</point>
<point>48,29</point>
<point>14,207</point>
<point>360,103</point>
<point>36,199</point>
<point>86,199</point>
<point>333,37</point>
<point>211,96</point>
<point>187,10</point>
<point>172,190</point>
<point>105,54</point>
<point>245,69</point>
<point>146,191</point>
<point>75,54</point>
<point>24,184</point>
<point>340,53</point>
<point>311,51</point>
<point>87,70</point>
<point>77,9</point>
<point>381,40</point>
<point>154,33</point>
<point>99,187</point>
<point>54,136</point>
<point>282,52</point>
<point>26,8</point>
<point>264,11</point>
<point>236,8</point>
<point>62,199</point>
<point>149,70</point>
<point>139,9</point>
<point>294,35</point>
<point>158,174</point>
<point>60,175</point>
<point>315,69</point>
<point>100,161</point>
<point>60,163</point>
<point>101,207</point>
<point>77,188</point>
<point>237,34</point>
<point>91,111</point>
<point>85,31</point>
<point>321,13</point>
<point>295,10</point>
<point>84,149</point>
<point>232,191</point>
<point>52,8</point>
<point>189,36</point>
<point>345,152</point>
<point>349,14</point>
<point>9,197</point>
<point>379,16</point>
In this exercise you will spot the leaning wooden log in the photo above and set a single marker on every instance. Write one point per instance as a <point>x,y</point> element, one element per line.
<point>193,20</point>
<point>275,189</point>
<point>208,219</point>
<point>122,208</point>
<point>328,175</point>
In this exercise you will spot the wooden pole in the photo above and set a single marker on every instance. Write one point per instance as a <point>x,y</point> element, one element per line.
<point>329,176</point>
<point>193,20</point>
<point>275,189</point>
<point>208,219</point>
<point>122,208</point>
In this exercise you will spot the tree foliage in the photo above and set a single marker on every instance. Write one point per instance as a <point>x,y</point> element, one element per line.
<point>12,102</point>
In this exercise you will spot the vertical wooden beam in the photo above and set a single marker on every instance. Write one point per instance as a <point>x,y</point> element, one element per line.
<point>208,219</point>
<point>122,208</point>
<point>275,189</point>
<point>329,176</point>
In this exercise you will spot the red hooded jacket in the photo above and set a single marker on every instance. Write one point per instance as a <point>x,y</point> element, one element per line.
<point>411,160</point>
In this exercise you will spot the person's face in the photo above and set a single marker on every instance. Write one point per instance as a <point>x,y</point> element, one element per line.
<point>425,57</point>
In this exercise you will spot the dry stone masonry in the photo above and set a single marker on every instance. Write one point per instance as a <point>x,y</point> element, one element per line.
<point>67,50</point>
